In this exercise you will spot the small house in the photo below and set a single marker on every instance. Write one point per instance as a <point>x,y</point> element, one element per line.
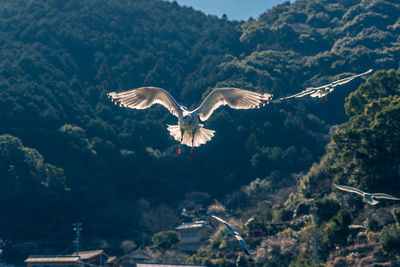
<point>82,259</point>
<point>134,257</point>
<point>193,235</point>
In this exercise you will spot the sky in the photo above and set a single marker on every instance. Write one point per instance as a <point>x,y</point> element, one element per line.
<point>234,9</point>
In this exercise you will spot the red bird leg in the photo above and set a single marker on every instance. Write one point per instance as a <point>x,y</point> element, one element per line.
<point>178,152</point>
<point>322,99</point>
<point>326,98</point>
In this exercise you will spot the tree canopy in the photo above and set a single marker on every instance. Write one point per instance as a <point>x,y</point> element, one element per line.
<point>114,168</point>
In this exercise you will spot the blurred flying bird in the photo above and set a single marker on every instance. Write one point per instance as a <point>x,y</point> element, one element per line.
<point>324,90</point>
<point>369,198</point>
<point>189,131</point>
<point>235,234</point>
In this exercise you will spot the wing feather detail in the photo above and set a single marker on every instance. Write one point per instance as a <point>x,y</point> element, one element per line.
<point>383,195</point>
<point>301,94</point>
<point>235,234</point>
<point>145,97</point>
<point>313,91</point>
<point>348,79</point>
<point>349,189</point>
<point>230,229</point>
<point>243,244</point>
<point>233,97</point>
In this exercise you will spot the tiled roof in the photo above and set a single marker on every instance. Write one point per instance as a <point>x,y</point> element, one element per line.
<point>137,254</point>
<point>111,259</point>
<point>196,224</point>
<point>166,265</point>
<point>51,258</point>
<point>85,255</point>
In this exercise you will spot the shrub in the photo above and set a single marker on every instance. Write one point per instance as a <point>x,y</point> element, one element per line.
<point>327,208</point>
<point>306,261</point>
<point>336,230</point>
<point>390,239</point>
<point>165,240</point>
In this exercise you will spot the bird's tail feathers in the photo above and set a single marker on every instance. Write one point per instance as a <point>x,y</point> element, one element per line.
<point>175,131</point>
<point>201,136</point>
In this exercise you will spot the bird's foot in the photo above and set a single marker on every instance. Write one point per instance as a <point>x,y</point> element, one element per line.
<point>322,99</point>
<point>192,153</point>
<point>326,99</point>
<point>178,152</point>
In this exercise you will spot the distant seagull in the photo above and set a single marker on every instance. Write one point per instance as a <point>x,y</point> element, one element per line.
<point>324,90</point>
<point>235,234</point>
<point>370,198</point>
<point>189,131</point>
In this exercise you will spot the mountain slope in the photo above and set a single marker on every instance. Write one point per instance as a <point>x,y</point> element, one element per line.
<point>363,153</point>
<point>59,59</point>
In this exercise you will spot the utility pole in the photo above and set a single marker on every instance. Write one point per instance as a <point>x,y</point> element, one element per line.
<point>1,258</point>
<point>77,229</point>
<point>314,210</point>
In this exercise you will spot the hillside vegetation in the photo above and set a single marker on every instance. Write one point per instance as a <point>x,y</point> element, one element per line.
<point>115,169</point>
<point>363,153</point>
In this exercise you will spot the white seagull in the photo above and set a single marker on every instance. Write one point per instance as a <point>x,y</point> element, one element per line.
<point>235,234</point>
<point>324,90</point>
<point>189,131</point>
<point>369,198</point>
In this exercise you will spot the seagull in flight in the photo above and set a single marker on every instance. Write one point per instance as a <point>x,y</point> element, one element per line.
<point>189,131</point>
<point>324,90</point>
<point>369,198</point>
<point>235,234</point>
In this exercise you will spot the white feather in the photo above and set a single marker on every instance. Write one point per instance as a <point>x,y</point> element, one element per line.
<point>326,89</point>
<point>233,97</point>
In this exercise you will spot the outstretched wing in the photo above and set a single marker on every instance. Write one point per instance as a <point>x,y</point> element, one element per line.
<point>243,244</point>
<point>383,195</point>
<point>348,79</point>
<point>312,90</point>
<point>349,189</point>
<point>230,229</point>
<point>145,97</point>
<point>308,91</point>
<point>233,97</point>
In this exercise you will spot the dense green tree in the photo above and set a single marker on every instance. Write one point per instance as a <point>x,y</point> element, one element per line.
<point>390,239</point>
<point>31,191</point>
<point>165,240</point>
<point>114,166</point>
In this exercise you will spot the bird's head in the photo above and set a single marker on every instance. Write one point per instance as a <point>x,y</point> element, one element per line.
<point>187,118</point>
<point>370,199</point>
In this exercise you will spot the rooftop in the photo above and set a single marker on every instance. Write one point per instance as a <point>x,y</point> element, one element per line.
<point>166,265</point>
<point>51,258</point>
<point>111,259</point>
<point>192,225</point>
<point>85,255</point>
<point>139,253</point>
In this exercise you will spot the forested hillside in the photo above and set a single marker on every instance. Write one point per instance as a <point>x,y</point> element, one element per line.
<point>364,153</point>
<point>64,144</point>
